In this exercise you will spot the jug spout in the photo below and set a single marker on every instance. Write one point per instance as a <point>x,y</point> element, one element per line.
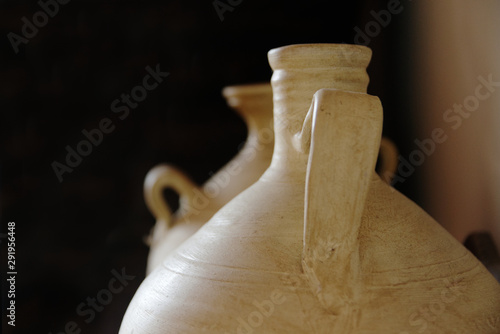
<point>344,143</point>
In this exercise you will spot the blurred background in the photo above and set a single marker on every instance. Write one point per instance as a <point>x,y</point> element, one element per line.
<point>70,235</point>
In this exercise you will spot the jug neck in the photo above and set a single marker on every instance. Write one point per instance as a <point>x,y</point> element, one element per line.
<point>254,103</point>
<point>298,72</point>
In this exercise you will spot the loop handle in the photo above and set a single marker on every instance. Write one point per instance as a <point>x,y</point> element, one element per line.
<point>166,176</point>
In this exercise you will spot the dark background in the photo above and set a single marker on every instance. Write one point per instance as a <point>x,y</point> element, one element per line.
<point>70,235</point>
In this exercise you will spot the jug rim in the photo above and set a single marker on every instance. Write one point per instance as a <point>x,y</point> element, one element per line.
<point>319,55</point>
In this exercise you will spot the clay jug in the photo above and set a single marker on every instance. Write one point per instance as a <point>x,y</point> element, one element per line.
<point>197,204</point>
<point>319,244</point>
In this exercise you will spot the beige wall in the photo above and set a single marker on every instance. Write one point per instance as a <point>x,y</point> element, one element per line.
<point>456,42</point>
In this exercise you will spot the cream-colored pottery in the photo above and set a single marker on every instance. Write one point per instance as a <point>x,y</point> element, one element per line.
<point>198,204</point>
<point>319,244</point>
<point>388,159</point>
<point>254,103</point>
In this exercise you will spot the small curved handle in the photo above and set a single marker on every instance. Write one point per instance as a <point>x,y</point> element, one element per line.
<point>388,160</point>
<point>388,150</point>
<point>166,176</point>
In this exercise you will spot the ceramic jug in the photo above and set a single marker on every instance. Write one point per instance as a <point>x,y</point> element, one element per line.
<point>254,103</point>
<point>319,244</point>
<point>198,204</point>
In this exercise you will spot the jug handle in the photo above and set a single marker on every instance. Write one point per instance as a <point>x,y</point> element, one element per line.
<point>388,160</point>
<point>166,176</point>
<point>388,151</point>
<point>345,133</point>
